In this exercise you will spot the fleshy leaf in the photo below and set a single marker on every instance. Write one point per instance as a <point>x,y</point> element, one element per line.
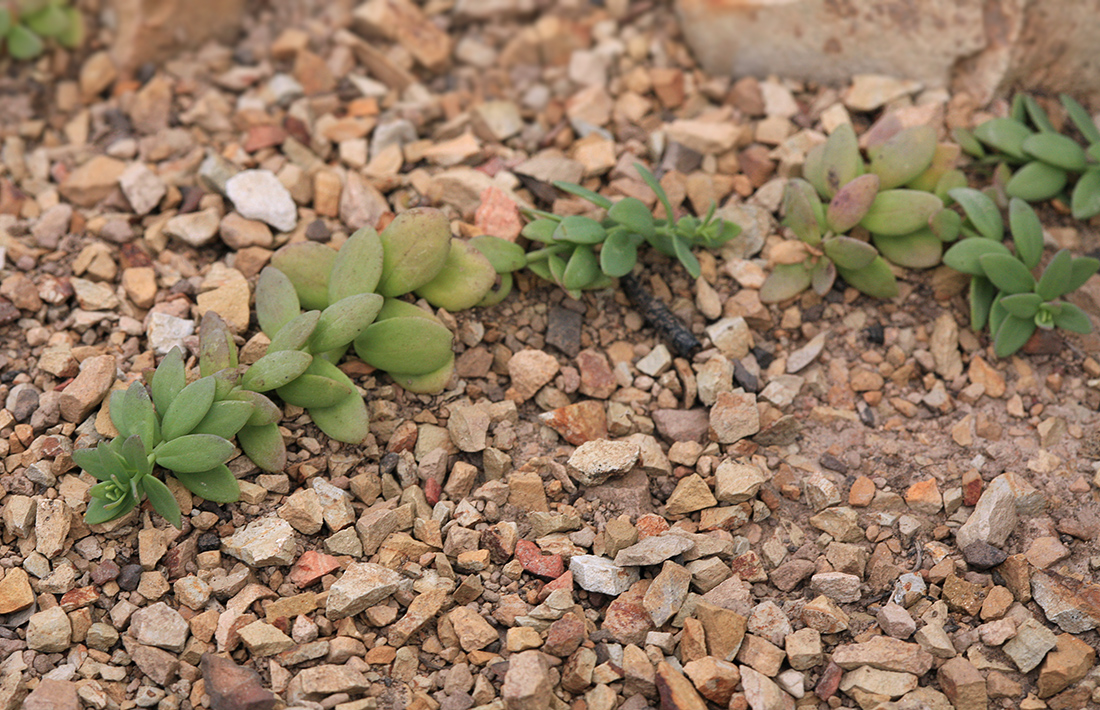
<point>1022,305</point>
<point>576,229</point>
<point>1027,232</point>
<point>307,265</point>
<point>505,256</point>
<point>981,211</point>
<point>904,156</point>
<point>409,344</point>
<point>217,485</point>
<point>217,351</point>
<point>132,413</point>
<point>188,408</point>
<point>163,501</point>
<point>1036,181</point>
<point>785,281</point>
<point>264,446</point>
<point>343,321</point>
<point>581,270</point>
<point>801,206</point>
<point>225,418</point>
<point>823,277</point>
<point>1085,201</point>
<point>168,380</point>
<point>650,179</point>
<point>466,277</point>
<point>264,410</point>
<point>1006,273</point>
<point>852,202</point>
<point>99,512</point>
<point>277,302</point>
<point>73,34</point>
<point>310,391</point>
<point>1056,276</point>
<point>414,247</point>
<point>296,332</point>
<point>1005,135</point>
<point>1081,118</point>
<point>968,142</point>
<point>1012,334</point>
<point>876,279</point>
<point>193,453</point>
<point>51,21</point>
<point>358,266</point>
<point>1081,271</point>
<point>849,253</point>
<point>540,230</point>
<point>944,158</point>
<point>1057,150</point>
<point>429,383</point>
<point>618,254</point>
<point>584,193</point>
<point>1037,115</point>
<point>982,293</point>
<point>686,257</point>
<point>23,44</point>
<point>346,421</point>
<point>632,214</point>
<point>1073,319</point>
<point>275,370</point>
<point>919,250</point>
<point>837,163</point>
<point>897,212</point>
<point>93,461</point>
<point>945,224</point>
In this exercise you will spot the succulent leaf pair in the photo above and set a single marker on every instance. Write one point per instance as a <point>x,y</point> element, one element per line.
<point>26,25</point>
<point>1003,292</point>
<point>181,427</point>
<point>897,198</point>
<point>1046,162</point>
<point>580,253</point>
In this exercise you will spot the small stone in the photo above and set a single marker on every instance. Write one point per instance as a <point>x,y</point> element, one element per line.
<point>878,682</point>
<point>594,462</point>
<point>761,655</point>
<point>823,614</point>
<point>165,331</point>
<point>601,575</point>
<point>92,181</point>
<point>194,228</point>
<point>473,631</point>
<point>1030,645</point>
<point>896,621</point>
<point>962,595</point>
<point>963,685</point>
<point>233,687</point>
<point>577,423</point>
<point>761,693</point>
<point>715,679</point>
<point>996,603</point>
<point>161,626</point>
<point>982,555</point>
<point>1046,551</point>
<point>1072,604</point>
<point>733,417</point>
<point>53,695</point>
<point>361,585</point>
<point>871,91</point>
<point>142,187</point>
<point>837,586</point>
<point>240,233</point>
<point>15,591</point>
<point>691,494</point>
<point>303,511</point>
<point>653,550</point>
<point>530,370</point>
<point>1066,665</point>
<point>258,194</point>
<point>49,631</point>
<point>924,497</point>
<point>267,542</point>
<point>530,556</point>
<point>527,684</point>
<point>264,640</point>
<point>84,393</point>
<point>737,482</point>
<point>675,690</point>
<point>804,649</point>
<point>802,357</point>
<point>52,521</point>
<point>667,593</point>
<point>821,492</point>
<point>884,653</point>
<point>994,516</point>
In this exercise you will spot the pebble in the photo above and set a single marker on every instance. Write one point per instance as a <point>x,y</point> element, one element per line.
<point>49,631</point>
<point>52,694</point>
<point>161,626</point>
<point>601,575</point>
<point>165,331</point>
<point>527,684</point>
<point>196,229</point>
<point>994,516</point>
<point>1072,604</point>
<point>1030,645</point>
<point>142,187</point>
<point>733,417</point>
<point>259,195</point>
<point>594,462</point>
<point>84,393</point>
<point>361,585</point>
<point>529,371</point>
<point>653,550</point>
<point>267,542</point>
<point>233,687</point>
<point>802,357</point>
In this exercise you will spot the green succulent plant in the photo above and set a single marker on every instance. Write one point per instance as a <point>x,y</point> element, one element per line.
<point>895,200</point>
<point>174,425</point>
<point>580,253</point>
<point>1035,161</point>
<point>26,26</point>
<point>1004,293</point>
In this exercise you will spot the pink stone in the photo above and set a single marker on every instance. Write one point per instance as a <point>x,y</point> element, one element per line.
<point>532,559</point>
<point>311,566</point>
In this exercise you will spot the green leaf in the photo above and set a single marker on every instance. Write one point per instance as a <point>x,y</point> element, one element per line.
<point>584,193</point>
<point>51,21</point>
<point>1081,271</point>
<point>505,256</point>
<point>1038,116</point>
<point>428,383</point>
<point>188,408</point>
<point>347,420</point>
<point>73,35</point>
<point>904,156</point>
<point>135,456</point>
<point>1036,181</point>
<point>1012,334</point>
<point>1006,273</point>
<point>1005,135</point>
<point>784,282</point>
<point>823,276</point>
<point>405,344</point>
<point>1056,276</point>
<point>950,180</point>
<point>618,254</point>
<point>5,21</point>
<point>581,270</point>
<point>99,512</point>
<point>835,163</point>
<point>217,351</point>
<point>307,265</point>
<point>264,410</point>
<point>981,211</point>
<point>310,391</point>
<point>1027,232</point>
<point>358,265</point>
<point>276,300</point>
<point>1057,150</point>
<point>193,453</point>
<point>541,230</point>
<point>415,247</point>
<point>946,224</point>
<point>1073,319</point>
<point>876,279</point>
<point>849,253</point>
<point>801,207</point>
<point>1085,201</point>
<point>225,418</point>
<point>966,255</point>
<point>163,501</point>
<point>1081,119</point>
<point>686,257</point>
<point>217,485</point>
<point>968,142</point>
<point>576,229</point>
<point>168,380</point>
<point>295,333</point>
<point>650,179</point>
<point>852,202</point>
<point>1022,305</point>
<point>94,462</point>
<point>921,249</point>
<point>494,297</point>
<point>464,280</point>
<point>23,43</point>
<point>343,321</point>
<point>275,370</point>
<point>897,212</point>
<point>132,413</point>
<point>264,446</point>
<point>632,214</point>
<point>982,293</point>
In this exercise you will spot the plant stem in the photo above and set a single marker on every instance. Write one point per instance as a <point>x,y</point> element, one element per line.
<point>657,314</point>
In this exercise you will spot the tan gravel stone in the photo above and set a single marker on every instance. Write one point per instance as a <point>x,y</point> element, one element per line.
<point>97,374</point>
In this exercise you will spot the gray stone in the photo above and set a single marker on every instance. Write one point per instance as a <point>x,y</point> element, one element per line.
<point>362,585</point>
<point>653,550</point>
<point>994,516</point>
<point>49,631</point>
<point>161,626</point>
<point>258,194</point>
<point>599,574</point>
<point>267,542</point>
<point>594,462</point>
<point>1030,645</point>
<point>165,332</point>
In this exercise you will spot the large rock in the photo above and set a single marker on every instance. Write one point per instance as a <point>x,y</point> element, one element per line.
<point>981,46</point>
<point>151,30</point>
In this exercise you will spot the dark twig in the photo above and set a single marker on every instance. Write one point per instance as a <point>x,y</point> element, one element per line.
<point>656,313</point>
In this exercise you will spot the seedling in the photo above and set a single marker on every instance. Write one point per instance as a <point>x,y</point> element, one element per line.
<point>26,26</point>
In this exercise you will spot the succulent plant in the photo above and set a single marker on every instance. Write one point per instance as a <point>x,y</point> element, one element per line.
<point>580,253</point>
<point>178,426</point>
<point>1004,294</point>
<point>1044,163</point>
<point>887,210</point>
<point>25,25</point>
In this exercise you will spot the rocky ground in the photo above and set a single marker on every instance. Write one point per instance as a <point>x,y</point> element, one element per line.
<point>836,503</point>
